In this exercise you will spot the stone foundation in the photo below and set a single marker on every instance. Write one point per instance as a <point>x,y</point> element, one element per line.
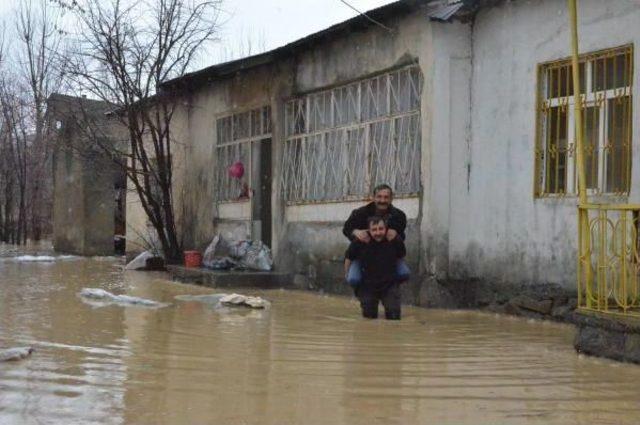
<point>608,336</point>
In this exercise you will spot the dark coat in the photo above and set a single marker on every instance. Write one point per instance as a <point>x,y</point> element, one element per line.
<point>396,220</point>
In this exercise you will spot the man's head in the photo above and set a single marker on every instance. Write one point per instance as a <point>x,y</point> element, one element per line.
<point>377,227</point>
<point>382,197</point>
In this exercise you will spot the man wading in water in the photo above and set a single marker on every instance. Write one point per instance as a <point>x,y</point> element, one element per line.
<point>356,228</point>
<point>378,260</point>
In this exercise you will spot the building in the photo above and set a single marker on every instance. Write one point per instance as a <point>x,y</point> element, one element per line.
<point>463,107</point>
<point>89,190</point>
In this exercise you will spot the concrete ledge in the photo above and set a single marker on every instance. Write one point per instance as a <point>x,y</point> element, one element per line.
<point>228,279</point>
<point>613,337</point>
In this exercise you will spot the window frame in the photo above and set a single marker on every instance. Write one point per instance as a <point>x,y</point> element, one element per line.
<point>266,124</point>
<point>590,97</point>
<point>301,131</point>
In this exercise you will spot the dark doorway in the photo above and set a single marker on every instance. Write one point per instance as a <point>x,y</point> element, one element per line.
<point>261,164</point>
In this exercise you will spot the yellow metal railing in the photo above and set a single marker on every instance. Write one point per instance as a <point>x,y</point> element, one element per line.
<point>609,261</point>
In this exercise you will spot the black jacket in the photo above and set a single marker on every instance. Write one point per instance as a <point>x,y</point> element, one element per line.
<point>378,261</point>
<point>396,220</point>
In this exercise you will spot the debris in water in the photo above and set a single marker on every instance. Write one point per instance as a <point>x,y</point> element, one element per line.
<point>218,300</point>
<point>244,300</point>
<point>140,262</point>
<point>107,297</point>
<point>15,353</point>
<point>211,299</point>
<point>40,258</point>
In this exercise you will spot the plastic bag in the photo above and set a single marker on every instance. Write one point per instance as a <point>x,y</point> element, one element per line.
<point>257,256</point>
<point>239,249</point>
<point>140,262</point>
<point>208,258</point>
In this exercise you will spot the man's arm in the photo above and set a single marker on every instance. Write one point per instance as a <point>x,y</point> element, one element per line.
<point>351,254</point>
<point>401,250</point>
<point>397,225</point>
<point>351,231</point>
<point>350,225</point>
<point>347,264</point>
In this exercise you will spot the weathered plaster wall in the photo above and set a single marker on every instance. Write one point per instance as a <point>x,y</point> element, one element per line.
<point>313,233</point>
<point>307,238</point>
<point>84,196</point>
<point>477,217</point>
<point>204,217</point>
<point>68,211</point>
<point>502,233</point>
<point>139,230</point>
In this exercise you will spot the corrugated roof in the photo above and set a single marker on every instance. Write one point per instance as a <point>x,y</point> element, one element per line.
<point>358,22</point>
<point>440,10</point>
<point>444,10</point>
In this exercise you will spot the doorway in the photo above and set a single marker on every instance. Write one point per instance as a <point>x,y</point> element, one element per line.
<point>261,184</point>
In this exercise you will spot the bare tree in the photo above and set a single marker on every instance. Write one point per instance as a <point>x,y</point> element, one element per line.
<point>123,53</point>
<point>15,139</point>
<point>38,48</point>
<point>27,76</point>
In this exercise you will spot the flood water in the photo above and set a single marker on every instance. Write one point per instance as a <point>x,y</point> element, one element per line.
<point>310,359</point>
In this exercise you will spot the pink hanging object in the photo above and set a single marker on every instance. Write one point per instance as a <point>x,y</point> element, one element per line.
<point>237,170</point>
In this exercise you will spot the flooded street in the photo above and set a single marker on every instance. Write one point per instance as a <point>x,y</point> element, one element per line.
<point>310,359</point>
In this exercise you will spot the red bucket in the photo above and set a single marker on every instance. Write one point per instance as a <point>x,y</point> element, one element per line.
<point>192,259</point>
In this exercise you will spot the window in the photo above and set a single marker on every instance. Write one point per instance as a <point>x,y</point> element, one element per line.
<point>233,145</point>
<point>340,143</point>
<point>606,91</point>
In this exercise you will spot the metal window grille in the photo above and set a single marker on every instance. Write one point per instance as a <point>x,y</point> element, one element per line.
<point>340,143</point>
<point>234,135</point>
<point>606,80</point>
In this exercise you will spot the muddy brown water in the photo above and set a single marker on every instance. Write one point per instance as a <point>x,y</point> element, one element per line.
<point>310,359</point>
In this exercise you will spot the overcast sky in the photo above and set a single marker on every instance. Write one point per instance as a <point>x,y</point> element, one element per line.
<point>282,21</point>
<point>265,24</point>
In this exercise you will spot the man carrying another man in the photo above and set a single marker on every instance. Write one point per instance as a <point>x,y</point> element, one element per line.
<point>374,262</point>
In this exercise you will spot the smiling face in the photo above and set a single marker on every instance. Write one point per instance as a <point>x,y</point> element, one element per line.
<point>382,198</point>
<point>378,230</point>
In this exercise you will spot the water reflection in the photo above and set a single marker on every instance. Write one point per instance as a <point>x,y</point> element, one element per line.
<point>310,359</point>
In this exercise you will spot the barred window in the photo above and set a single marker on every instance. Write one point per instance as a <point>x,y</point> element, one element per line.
<point>235,133</point>
<point>341,142</point>
<point>606,80</point>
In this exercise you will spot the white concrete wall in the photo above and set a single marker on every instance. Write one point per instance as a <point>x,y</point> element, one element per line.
<point>477,216</point>
<point>499,231</point>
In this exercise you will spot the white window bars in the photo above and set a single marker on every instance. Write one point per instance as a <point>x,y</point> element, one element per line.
<point>341,142</point>
<point>235,133</point>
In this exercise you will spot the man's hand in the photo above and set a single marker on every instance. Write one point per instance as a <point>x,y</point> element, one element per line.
<point>362,235</point>
<point>391,234</point>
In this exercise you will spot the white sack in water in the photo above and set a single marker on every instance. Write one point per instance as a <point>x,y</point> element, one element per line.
<point>140,262</point>
<point>40,258</point>
<point>15,353</point>
<point>107,297</point>
<point>244,300</point>
<point>217,300</point>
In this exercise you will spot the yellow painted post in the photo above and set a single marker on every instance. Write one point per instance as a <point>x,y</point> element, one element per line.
<point>577,102</point>
<point>583,213</point>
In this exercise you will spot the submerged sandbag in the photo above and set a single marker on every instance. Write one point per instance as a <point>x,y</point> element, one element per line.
<point>109,298</point>
<point>15,353</point>
<point>244,300</point>
<point>232,300</point>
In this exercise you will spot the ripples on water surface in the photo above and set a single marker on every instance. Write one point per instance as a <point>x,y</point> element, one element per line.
<point>309,360</point>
